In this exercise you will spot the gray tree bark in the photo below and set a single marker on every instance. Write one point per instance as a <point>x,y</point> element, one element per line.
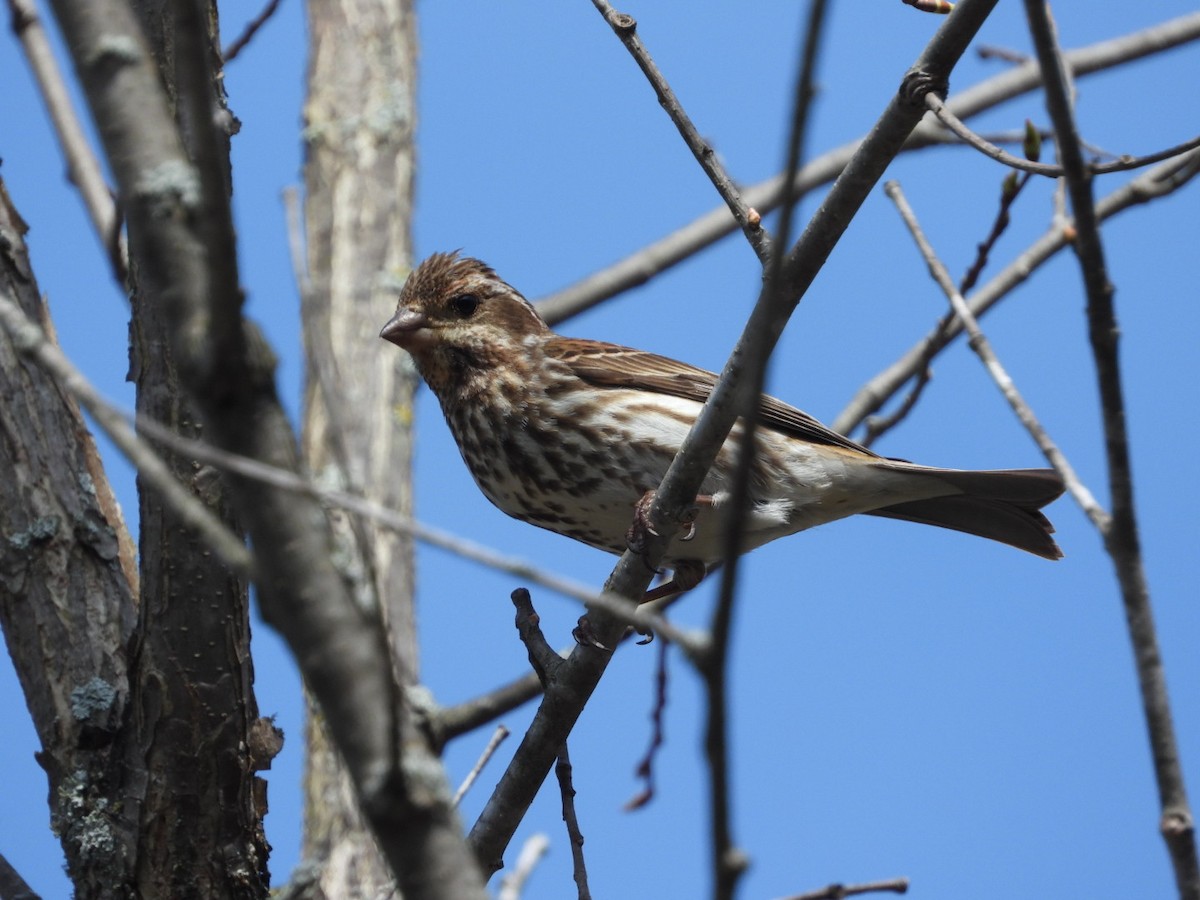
<point>68,589</point>
<point>359,121</point>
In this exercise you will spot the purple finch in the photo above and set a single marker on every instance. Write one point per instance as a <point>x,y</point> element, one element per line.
<point>571,434</point>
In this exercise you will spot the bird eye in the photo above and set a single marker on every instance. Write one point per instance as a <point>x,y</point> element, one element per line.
<point>464,304</point>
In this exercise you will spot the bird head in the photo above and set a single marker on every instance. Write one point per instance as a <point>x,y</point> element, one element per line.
<point>460,320</point>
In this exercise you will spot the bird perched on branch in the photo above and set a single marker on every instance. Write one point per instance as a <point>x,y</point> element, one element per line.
<point>572,435</point>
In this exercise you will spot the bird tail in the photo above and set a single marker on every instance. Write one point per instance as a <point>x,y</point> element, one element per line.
<point>1002,505</point>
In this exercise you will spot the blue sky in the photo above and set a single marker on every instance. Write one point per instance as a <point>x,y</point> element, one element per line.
<point>906,701</point>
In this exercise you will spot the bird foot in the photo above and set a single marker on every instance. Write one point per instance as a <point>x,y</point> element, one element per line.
<point>586,635</point>
<point>641,529</point>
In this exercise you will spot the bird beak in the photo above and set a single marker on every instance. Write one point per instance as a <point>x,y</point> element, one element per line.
<point>408,328</point>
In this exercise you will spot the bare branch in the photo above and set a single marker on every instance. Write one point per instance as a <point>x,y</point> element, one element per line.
<point>531,854</point>
<point>728,861</point>
<point>542,657</point>
<point>574,835</point>
<point>83,168</point>
<point>1012,187</point>
<point>1123,164</point>
<point>498,738</point>
<point>983,349</point>
<point>1121,538</point>
<point>750,221</point>
<point>988,51</point>
<point>1157,182</point>
<point>12,885</point>
<point>239,43</point>
<point>645,768</point>
<point>840,891</point>
<point>453,721</point>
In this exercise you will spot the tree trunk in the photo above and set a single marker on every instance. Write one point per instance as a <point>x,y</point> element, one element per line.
<point>359,122</point>
<point>201,822</point>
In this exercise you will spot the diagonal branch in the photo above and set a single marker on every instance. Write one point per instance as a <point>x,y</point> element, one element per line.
<point>983,349</point>
<point>12,885</point>
<point>1160,181</point>
<point>242,40</point>
<point>625,27</point>
<point>83,168</point>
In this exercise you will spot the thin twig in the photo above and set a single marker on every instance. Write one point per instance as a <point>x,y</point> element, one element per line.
<point>453,721</point>
<point>567,790</point>
<point>645,768</point>
<point>450,722</point>
<point>1009,191</point>
<point>542,657</point>
<point>251,29</point>
<point>840,891</point>
<point>1160,181</point>
<point>83,168</point>
<point>747,218</point>
<point>1122,164</point>
<point>498,738</point>
<point>983,349</point>
<point>531,854</point>
<point>31,342</point>
<point>990,51</point>
<point>877,426</point>
<point>1121,537</point>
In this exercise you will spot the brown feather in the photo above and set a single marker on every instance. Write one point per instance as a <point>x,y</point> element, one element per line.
<point>567,433</point>
<point>611,365</point>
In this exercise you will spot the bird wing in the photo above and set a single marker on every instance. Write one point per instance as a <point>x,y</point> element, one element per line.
<point>611,365</point>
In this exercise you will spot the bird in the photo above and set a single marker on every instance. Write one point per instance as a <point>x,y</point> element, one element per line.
<point>574,435</point>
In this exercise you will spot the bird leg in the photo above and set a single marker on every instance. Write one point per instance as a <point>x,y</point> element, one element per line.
<point>686,575</point>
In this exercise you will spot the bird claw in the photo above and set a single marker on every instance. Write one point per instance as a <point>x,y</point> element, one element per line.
<point>583,634</point>
<point>689,523</point>
<point>641,529</point>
